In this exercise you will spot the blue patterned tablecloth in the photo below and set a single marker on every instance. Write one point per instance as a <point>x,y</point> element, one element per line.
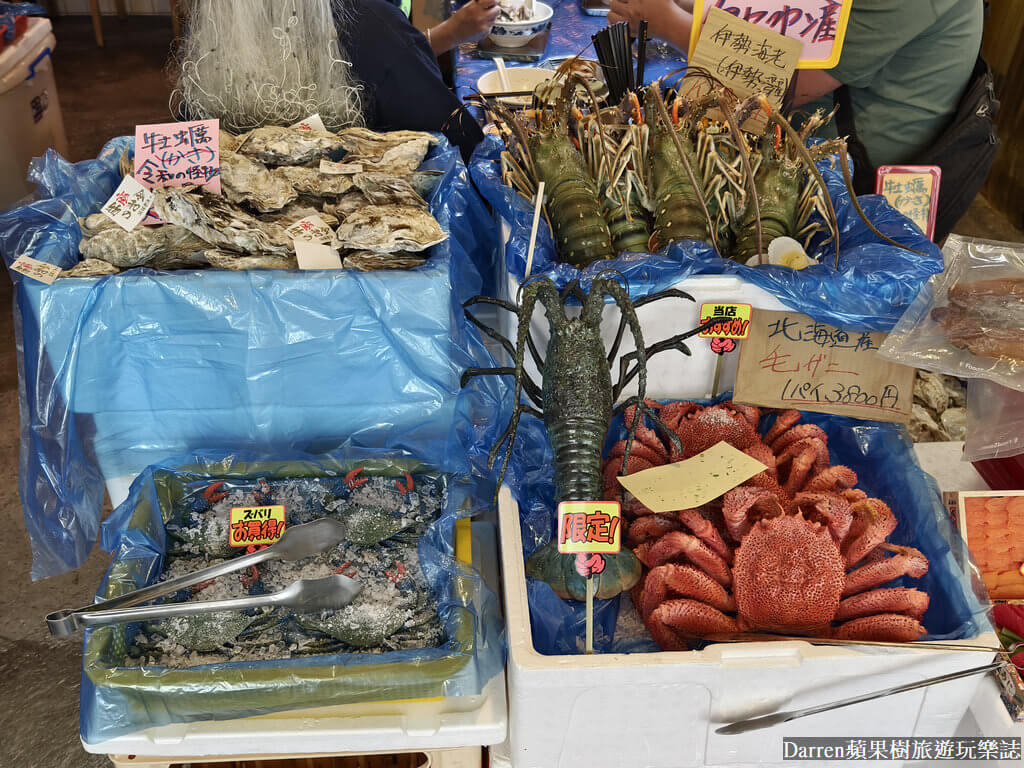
<point>570,35</point>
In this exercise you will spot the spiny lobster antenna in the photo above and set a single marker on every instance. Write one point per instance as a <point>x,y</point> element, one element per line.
<point>741,145</point>
<point>654,94</point>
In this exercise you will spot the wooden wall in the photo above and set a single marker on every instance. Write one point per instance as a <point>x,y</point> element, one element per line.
<point>1003,48</point>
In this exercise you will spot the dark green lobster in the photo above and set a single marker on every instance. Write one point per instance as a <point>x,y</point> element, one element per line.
<point>576,402</point>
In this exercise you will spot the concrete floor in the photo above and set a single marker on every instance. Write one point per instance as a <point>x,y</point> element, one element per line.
<point>103,93</point>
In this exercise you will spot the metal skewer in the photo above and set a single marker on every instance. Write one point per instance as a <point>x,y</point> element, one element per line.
<point>295,543</point>
<point>778,718</point>
<point>936,646</point>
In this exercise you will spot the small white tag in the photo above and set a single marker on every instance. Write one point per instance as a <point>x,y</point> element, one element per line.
<point>311,123</point>
<point>129,204</point>
<point>340,169</point>
<point>316,256</point>
<point>42,271</point>
<point>311,229</point>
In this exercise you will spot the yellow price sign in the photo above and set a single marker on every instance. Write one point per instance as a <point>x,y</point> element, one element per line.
<point>732,321</point>
<point>589,527</point>
<point>255,526</point>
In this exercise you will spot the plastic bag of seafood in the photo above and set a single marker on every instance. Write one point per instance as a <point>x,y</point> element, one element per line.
<point>968,321</point>
<point>122,370</point>
<point>424,624</point>
<point>874,283</point>
<point>866,460</point>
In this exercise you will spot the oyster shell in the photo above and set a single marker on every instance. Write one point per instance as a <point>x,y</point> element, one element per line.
<point>96,223</point>
<point>384,189</point>
<point>220,222</point>
<point>244,180</point>
<point>390,228</point>
<point>236,261</point>
<point>368,261</point>
<point>930,389</point>
<point>954,423</point>
<point>90,268</point>
<point>923,427</point>
<point>310,181</point>
<point>142,246</point>
<point>274,145</point>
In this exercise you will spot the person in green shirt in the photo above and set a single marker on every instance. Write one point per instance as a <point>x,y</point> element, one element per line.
<point>906,63</point>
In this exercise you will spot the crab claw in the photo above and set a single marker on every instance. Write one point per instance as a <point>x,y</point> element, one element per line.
<point>263,493</point>
<point>351,481</point>
<point>213,494</point>
<point>251,578</point>
<point>407,486</point>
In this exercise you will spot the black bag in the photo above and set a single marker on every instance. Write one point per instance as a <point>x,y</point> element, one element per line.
<point>964,151</point>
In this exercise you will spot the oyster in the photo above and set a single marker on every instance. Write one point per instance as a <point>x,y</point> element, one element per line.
<point>930,389</point>
<point>384,189</point>
<point>390,228</point>
<point>236,261</point>
<point>96,223</point>
<point>369,147</point>
<point>368,261</point>
<point>310,181</point>
<point>274,145</point>
<point>244,180</point>
<point>220,222</point>
<point>954,422</point>
<point>169,243</point>
<point>90,268</point>
<point>296,212</point>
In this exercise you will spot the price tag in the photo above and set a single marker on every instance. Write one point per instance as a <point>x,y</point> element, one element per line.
<point>819,26</point>
<point>255,526</point>
<point>311,229</point>
<point>42,271</point>
<point>692,482</point>
<point>129,204</point>
<point>589,527</point>
<point>178,154</point>
<point>732,321</point>
<point>913,190</point>
<point>311,123</point>
<point>791,361</point>
<point>316,255</point>
<point>747,58</point>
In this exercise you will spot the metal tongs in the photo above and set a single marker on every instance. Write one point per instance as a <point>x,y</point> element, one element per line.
<point>303,595</point>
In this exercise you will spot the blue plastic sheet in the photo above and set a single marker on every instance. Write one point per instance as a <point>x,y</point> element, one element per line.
<point>117,699</point>
<point>881,454</point>
<point>121,371</point>
<point>874,284</point>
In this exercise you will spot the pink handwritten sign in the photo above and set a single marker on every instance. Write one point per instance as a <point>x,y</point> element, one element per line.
<point>819,24</point>
<point>178,154</point>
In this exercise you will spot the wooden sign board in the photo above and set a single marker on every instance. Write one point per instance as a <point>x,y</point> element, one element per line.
<point>913,190</point>
<point>991,523</point>
<point>819,26</point>
<point>792,361</point>
<point>747,58</point>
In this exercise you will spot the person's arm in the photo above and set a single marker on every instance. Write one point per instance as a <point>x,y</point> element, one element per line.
<point>666,19</point>
<point>468,24</point>
<point>812,84</point>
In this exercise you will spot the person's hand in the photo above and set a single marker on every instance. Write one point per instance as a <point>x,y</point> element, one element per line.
<point>474,20</point>
<point>666,20</point>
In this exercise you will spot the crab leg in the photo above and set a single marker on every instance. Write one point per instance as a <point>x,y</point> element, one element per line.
<point>677,543</point>
<point>893,627</point>
<point>912,602</point>
<point>692,617</point>
<point>906,562</point>
<point>706,532</point>
<point>873,521</point>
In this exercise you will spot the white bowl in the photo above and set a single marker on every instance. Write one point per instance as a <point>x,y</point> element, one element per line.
<point>519,78</point>
<point>515,34</point>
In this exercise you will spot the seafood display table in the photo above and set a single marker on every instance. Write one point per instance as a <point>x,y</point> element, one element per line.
<point>450,732</point>
<point>570,35</point>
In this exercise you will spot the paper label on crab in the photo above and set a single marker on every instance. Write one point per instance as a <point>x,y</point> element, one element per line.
<point>792,361</point>
<point>42,271</point>
<point>255,526</point>
<point>692,482</point>
<point>316,256</point>
<point>129,204</point>
<point>732,321</point>
<point>589,527</point>
<point>311,123</point>
<point>311,229</point>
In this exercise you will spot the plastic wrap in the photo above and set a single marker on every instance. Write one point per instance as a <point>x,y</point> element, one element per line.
<point>120,699</point>
<point>968,321</point>
<point>881,454</point>
<point>995,421</point>
<point>121,371</point>
<point>874,284</point>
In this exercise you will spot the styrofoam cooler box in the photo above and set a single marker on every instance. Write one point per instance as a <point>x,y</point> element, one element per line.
<point>428,724</point>
<point>30,117</point>
<point>669,374</point>
<point>660,710</point>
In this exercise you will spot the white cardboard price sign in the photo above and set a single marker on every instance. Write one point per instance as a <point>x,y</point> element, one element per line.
<point>316,256</point>
<point>311,229</point>
<point>311,123</point>
<point>129,204</point>
<point>42,271</point>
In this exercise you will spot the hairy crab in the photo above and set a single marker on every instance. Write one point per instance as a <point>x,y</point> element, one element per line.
<point>795,549</point>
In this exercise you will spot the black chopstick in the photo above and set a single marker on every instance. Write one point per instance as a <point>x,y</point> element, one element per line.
<point>641,55</point>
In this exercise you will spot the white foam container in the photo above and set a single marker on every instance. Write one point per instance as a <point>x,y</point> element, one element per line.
<point>669,374</point>
<point>30,116</point>
<point>427,725</point>
<point>660,710</point>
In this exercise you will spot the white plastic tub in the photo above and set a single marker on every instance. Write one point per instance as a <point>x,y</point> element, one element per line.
<point>30,117</point>
<point>669,374</point>
<point>660,710</point>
